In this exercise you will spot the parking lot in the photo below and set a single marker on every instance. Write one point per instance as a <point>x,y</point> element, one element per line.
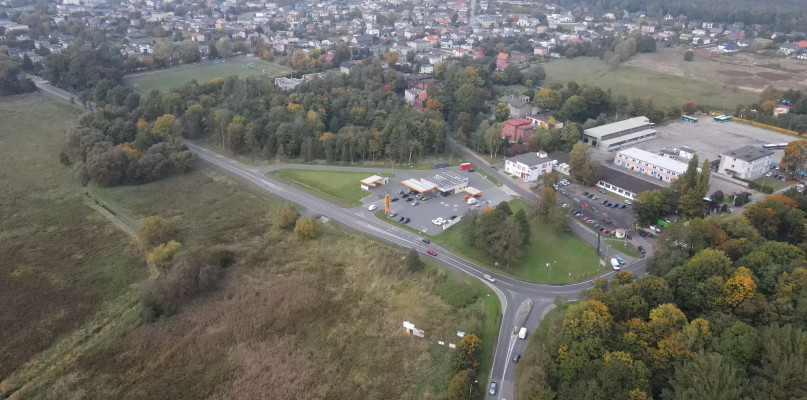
<point>437,206</point>
<point>595,209</point>
<point>708,138</point>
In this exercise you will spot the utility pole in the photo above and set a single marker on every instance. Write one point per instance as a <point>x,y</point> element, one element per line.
<point>598,242</point>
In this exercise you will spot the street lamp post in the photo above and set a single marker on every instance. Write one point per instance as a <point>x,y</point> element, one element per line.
<point>470,387</point>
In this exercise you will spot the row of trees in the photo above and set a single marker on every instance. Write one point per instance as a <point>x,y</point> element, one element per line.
<point>721,315</point>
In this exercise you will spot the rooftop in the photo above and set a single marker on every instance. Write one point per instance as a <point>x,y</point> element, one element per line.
<point>517,122</point>
<point>632,123</point>
<point>626,181</point>
<point>749,153</point>
<point>530,159</point>
<point>654,159</point>
<point>445,180</point>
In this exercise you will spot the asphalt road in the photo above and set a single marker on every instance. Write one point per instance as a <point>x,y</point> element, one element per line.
<point>511,292</point>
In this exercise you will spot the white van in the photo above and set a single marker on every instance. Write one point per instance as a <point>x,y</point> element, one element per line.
<point>522,334</point>
<point>615,264</point>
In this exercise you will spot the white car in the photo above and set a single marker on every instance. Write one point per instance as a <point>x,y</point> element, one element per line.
<point>628,202</point>
<point>489,278</point>
<point>373,207</point>
<point>436,222</point>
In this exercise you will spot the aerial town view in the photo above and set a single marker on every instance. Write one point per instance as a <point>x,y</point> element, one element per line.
<point>387,199</point>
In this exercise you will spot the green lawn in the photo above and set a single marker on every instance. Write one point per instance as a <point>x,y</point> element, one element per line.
<point>528,367</point>
<point>492,315</point>
<point>335,186</point>
<point>566,253</point>
<point>774,183</point>
<point>665,90</point>
<point>625,248</point>
<point>163,80</point>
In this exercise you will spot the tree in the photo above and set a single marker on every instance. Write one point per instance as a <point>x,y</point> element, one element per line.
<point>463,386</point>
<point>706,376</point>
<point>548,99</point>
<point>413,261</point>
<point>651,205</point>
<point>574,109</point>
<point>164,253</point>
<point>154,230</point>
<point>582,168</point>
<point>391,58</point>
<point>738,345</point>
<point>521,217</point>
<point>777,218</point>
<point>689,108</point>
<point>434,105</point>
<point>689,55</point>
<point>467,352</point>
<point>779,370</point>
<point>286,217</point>
<point>306,229</point>
<point>507,243</point>
<point>569,135</point>
<point>224,47</point>
<point>794,158</point>
<point>502,112</point>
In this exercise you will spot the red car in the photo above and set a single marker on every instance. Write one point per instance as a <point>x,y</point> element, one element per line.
<point>431,253</point>
<point>584,204</point>
<point>586,219</point>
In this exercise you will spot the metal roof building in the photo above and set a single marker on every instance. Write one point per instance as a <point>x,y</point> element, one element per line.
<point>620,133</point>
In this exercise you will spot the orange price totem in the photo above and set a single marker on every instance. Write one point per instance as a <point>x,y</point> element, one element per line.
<point>386,204</point>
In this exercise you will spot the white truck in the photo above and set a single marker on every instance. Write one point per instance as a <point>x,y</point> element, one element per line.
<point>615,264</point>
<point>522,333</point>
<point>472,201</point>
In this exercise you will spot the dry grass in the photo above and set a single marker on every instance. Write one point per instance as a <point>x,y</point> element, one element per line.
<point>60,260</point>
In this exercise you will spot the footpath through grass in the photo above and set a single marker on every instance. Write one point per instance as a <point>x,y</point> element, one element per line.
<point>165,80</point>
<point>336,186</point>
<point>570,258</point>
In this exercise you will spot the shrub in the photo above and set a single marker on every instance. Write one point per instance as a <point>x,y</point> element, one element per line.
<point>164,253</point>
<point>154,230</point>
<point>458,295</point>
<point>286,216</point>
<point>306,229</point>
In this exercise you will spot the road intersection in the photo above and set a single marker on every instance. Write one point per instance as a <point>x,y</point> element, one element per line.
<point>511,291</point>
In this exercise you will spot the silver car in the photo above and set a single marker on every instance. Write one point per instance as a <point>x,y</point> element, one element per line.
<point>492,390</point>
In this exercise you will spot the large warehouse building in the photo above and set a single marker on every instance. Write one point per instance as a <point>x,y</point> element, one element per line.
<point>620,134</point>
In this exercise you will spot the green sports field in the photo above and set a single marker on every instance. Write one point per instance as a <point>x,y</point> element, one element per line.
<point>164,80</point>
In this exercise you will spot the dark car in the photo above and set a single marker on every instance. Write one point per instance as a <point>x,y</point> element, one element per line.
<point>393,199</point>
<point>641,249</point>
<point>405,195</point>
<point>426,240</point>
<point>471,170</point>
<point>406,221</point>
<point>453,217</point>
<point>605,202</point>
<point>642,233</point>
<point>585,193</point>
<point>516,357</point>
<point>630,237</point>
<point>622,206</point>
<point>401,192</point>
<point>401,219</point>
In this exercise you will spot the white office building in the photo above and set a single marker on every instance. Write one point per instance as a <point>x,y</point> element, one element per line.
<point>529,166</point>
<point>747,162</point>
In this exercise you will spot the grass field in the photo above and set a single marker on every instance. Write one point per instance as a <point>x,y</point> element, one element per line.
<point>665,90</point>
<point>61,261</point>
<point>335,186</point>
<point>566,253</point>
<point>291,319</point>
<point>165,80</point>
<point>626,248</point>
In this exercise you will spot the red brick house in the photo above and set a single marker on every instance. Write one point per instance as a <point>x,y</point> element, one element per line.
<point>517,130</point>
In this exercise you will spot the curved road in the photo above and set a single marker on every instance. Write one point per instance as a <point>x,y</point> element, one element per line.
<point>511,292</point>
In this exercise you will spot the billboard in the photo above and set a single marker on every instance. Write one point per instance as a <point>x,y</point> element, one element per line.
<point>386,204</point>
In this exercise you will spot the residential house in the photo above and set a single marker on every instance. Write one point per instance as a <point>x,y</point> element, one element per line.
<point>788,48</point>
<point>781,109</point>
<point>345,66</point>
<point>517,130</point>
<point>529,166</point>
<point>420,81</point>
<point>287,84</point>
<point>426,69</point>
<point>520,106</point>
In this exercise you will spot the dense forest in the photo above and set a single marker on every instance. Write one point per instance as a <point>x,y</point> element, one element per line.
<point>721,315</point>
<point>12,74</point>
